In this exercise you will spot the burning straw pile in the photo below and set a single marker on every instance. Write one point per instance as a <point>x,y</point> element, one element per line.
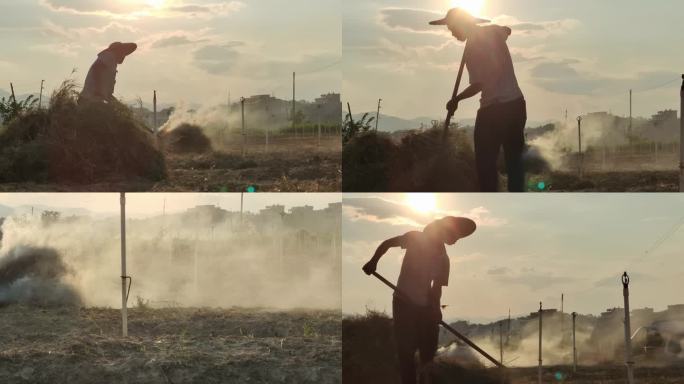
<point>420,162</point>
<point>78,143</point>
<point>35,276</point>
<point>186,138</point>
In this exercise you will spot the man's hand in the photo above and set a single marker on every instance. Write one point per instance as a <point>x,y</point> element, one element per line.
<point>370,267</point>
<point>452,105</point>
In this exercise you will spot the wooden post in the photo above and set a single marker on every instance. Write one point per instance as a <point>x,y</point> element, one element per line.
<point>14,99</point>
<point>40,97</point>
<point>539,369</point>
<point>124,293</point>
<point>628,331</point>
<point>377,116</point>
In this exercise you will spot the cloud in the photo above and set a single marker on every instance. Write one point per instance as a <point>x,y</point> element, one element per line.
<point>217,58</point>
<point>565,77</point>
<point>136,8</point>
<point>175,39</point>
<point>529,277</point>
<point>379,210</point>
<point>410,20</point>
<point>417,21</point>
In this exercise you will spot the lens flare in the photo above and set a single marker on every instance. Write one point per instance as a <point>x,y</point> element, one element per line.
<point>474,7</point>
<point>421,202</point>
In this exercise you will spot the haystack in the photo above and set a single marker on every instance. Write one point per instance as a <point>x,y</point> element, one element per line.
<point>78,143</point>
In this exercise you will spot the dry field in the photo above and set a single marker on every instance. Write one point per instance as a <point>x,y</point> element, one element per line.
<point>170,345</point>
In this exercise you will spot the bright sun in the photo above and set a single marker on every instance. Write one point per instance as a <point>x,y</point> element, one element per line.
<point>155,3</point>
<point>474,7</point>
<point>421,202</point>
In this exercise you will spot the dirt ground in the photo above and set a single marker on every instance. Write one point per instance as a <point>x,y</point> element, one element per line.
<point>616,374</point>
<point>626,181</point>
<point>292,164</point>
<point>172,345</point>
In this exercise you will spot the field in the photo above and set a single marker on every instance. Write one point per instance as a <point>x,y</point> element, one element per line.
<point>169,345</point>
<point>292,164</point>
<point>368,356</point>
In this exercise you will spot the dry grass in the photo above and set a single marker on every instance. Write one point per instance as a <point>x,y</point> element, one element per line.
<point>173,345</point>
<point>78,143</point>
<point>419,162</point>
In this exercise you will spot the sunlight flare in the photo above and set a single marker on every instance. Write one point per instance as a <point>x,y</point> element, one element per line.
<point>421,202</point>
<point>474,7</point>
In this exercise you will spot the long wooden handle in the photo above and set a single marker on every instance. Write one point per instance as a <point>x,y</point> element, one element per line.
<point>444,324</point>
<point>450,114</point>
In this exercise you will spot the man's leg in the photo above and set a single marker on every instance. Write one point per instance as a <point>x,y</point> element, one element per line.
<point>514,145</point>
<point>405,339</point>
<point>487,145</point>
<point>428,343</point>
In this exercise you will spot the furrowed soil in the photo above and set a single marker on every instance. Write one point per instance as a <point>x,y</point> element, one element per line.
<point>291,164</point>
<point>170,345</point>
<point>624,181</point>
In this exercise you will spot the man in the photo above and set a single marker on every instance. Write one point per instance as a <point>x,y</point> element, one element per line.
<point>99,83</point>
<point>416,305</point>
<point>502,115</point>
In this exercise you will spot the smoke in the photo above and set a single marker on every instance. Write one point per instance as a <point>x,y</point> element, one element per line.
<point>203,257</point>
<point>218,120</point>
<point>560,139</point>
<point>36,276</point>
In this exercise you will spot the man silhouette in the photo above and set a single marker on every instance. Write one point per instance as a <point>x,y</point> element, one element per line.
<point>416,310</point>
<point>502,115</point>
<point>101,78</point>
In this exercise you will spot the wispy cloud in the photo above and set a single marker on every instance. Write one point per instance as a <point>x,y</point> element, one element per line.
<point>138,8</point>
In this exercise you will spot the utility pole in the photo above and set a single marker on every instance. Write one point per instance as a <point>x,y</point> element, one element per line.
<point>242,109</point>
<point>630,116</point>
<point>294,128</point>
<point>154,111</point>
<point>579,146</point>
<point>501,342</point>
<point>539,369</point>
<point>124,294</point>
<point>377,115</point>
<point>562,321</point>
<point>681,138</point>
<point>574,345</point>
<point>14,98</point>
<point>40,97</point>
<point>628,331</point>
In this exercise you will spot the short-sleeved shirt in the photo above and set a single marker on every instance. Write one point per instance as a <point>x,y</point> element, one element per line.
<point>425,262</point>
<point>489,64</point>
<point>99,83</point>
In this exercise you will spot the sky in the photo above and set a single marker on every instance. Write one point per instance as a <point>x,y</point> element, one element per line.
<point>527,248</point>
<point>188,50</point>
<point>582,57</point>
<point>150,204</point>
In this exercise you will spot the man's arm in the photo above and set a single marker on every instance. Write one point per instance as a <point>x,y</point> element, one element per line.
<point>434,298</point>
<point>472,90</point>
<point>370,266</point>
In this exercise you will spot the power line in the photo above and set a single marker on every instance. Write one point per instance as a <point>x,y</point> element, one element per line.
<point>320,69</point>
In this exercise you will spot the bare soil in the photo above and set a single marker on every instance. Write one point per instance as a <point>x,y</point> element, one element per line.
<point>171,345</point>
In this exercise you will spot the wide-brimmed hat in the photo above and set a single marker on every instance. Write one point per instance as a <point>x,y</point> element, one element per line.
<point>463,226</point>
<point>458,16</point>
<point>123,49</point>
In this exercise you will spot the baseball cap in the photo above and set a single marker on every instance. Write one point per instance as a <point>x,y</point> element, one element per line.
<point>457,16</point>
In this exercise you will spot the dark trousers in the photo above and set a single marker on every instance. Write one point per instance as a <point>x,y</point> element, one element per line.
<point>496,126</point>
<point>414,330</point>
